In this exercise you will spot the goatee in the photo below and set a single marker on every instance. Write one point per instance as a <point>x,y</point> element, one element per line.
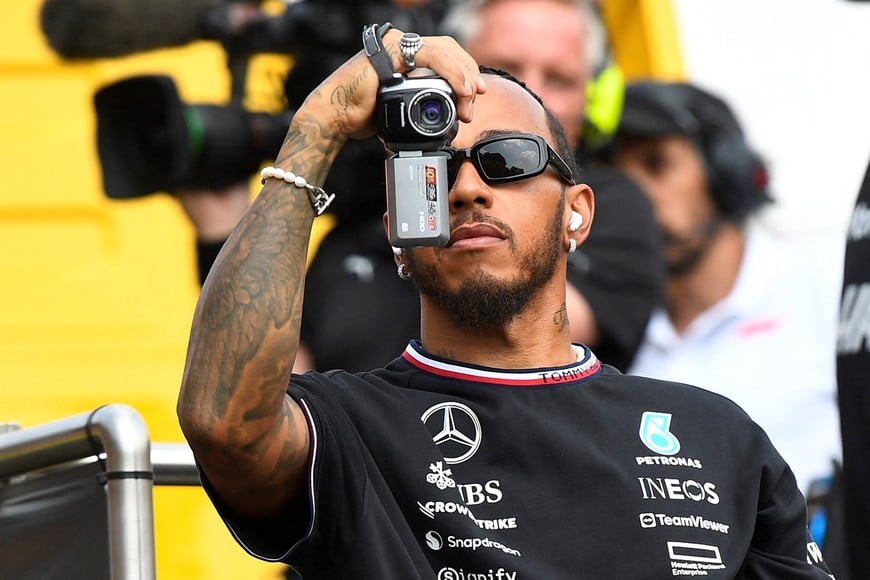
<point>483,301</point>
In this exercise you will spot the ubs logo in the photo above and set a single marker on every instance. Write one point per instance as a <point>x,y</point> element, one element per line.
<point>456,428</point>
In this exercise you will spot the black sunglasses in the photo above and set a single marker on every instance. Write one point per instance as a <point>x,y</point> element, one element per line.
<point>506,158</point>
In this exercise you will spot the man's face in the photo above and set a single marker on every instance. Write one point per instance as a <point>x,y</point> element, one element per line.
<point>507,240</point>
<point>541,42</point>
<point>671,172</point>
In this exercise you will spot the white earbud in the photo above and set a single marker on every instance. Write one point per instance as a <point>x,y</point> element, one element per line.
<point>575,222</point>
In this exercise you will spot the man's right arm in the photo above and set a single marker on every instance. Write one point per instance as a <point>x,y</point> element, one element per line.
<point>233,406</point>
<point>249,438</point>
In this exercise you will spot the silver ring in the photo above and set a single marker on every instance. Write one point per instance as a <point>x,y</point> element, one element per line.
<point>409,45</point>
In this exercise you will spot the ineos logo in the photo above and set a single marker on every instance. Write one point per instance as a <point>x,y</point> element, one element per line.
<point>456,428</point>
<point>676,489</point>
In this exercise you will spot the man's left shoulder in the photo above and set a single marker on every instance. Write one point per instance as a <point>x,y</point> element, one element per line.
<point>677,395</point>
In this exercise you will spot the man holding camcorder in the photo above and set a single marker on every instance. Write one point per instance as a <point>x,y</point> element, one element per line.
<point>493,447</point>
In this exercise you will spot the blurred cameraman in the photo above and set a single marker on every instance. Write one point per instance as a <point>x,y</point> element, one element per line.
<point>205,155</point>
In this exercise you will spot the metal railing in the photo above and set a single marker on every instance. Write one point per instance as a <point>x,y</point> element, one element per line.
<point>118,436</point>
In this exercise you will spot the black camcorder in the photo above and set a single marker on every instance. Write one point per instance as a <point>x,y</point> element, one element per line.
<point>418,112</point>
<point>416,118</point>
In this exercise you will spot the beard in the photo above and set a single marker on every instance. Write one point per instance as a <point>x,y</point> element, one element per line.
<point>684,253</point>
<point>483,301</point>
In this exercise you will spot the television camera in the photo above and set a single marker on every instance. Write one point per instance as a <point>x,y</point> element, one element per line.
<point>149,140</point>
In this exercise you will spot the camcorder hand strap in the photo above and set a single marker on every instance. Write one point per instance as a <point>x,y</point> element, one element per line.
<point>372,38</point>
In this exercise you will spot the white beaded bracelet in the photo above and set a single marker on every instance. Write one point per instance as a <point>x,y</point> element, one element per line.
<point>319,199</point>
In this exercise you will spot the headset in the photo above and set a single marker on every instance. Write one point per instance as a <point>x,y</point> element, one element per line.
<point>737,175</point>
<point>604,97</point>
<point>605,88</point>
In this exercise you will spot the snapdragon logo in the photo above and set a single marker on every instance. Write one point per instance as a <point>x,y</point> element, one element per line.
<point>655,433</point>
<point>434,541</point>
<point>474,544</point>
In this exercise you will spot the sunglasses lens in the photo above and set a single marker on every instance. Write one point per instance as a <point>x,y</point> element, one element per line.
<point>512,157</point>
<point>500,160</point>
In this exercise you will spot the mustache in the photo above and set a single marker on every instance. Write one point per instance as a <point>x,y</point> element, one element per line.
<point>477,216</point>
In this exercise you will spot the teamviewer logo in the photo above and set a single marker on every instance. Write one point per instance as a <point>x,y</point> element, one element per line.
<point>647,520</point>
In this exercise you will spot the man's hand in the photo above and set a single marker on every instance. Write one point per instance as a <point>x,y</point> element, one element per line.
<point>345,101</point>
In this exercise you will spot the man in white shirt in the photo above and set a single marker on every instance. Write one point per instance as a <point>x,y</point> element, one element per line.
<point>747,314</point>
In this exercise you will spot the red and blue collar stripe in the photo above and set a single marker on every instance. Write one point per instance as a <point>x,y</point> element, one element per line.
<point>587,366</point>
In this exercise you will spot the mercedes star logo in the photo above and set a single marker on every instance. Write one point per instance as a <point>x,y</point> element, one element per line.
<point>457,430</point>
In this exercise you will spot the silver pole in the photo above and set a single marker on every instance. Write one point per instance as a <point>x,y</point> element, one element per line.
<point>130,481</point>
<point>174,464</point>
<point>120,432</point>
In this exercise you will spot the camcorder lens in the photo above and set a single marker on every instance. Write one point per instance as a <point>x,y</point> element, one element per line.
<point>432,113</point>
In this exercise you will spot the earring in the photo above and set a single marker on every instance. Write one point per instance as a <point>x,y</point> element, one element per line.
<point>575,222</point>
<point>403,272</point>
<point>572,246</point>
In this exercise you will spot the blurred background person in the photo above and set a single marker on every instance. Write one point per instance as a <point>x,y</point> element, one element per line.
<point>853,388</point>
<point>747,314</point>
<point>853,384</point>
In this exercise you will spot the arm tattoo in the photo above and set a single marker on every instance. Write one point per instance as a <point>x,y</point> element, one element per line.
<point>343,96</point>
<point>246,327</point>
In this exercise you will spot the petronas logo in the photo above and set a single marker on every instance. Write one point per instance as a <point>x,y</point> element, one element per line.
<point>655,433</point>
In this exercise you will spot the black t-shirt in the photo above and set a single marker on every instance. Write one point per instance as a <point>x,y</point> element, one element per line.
<point>358,314</point>
<point>429,469</point>
<point>853,370</point>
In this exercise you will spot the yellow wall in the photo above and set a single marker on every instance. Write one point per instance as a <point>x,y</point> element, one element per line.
<point>96,296</point>
<point>645,39</point>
